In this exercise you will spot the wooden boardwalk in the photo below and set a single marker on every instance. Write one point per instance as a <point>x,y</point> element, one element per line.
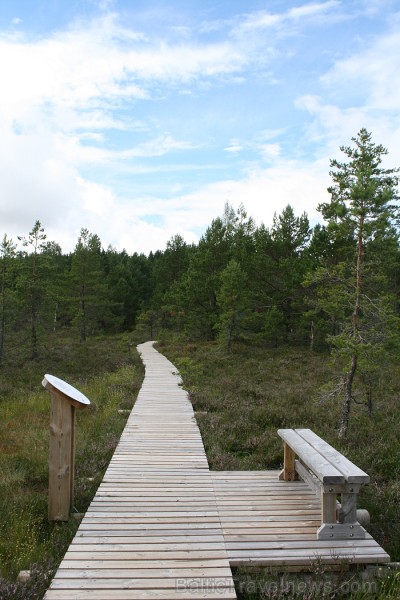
<point>267,522</point>
<point>153,528</point>
<point>163,526</point>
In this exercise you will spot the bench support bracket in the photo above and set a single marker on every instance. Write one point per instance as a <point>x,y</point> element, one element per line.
<point>341,531</point>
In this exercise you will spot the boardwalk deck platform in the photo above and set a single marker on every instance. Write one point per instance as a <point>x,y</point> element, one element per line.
<point>162,525</point>
<point>267,522</point>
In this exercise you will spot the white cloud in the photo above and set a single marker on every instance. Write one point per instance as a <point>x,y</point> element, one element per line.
<point>90,67</point>
<point>371,78</point>
<point>234,146</point>
<point>269,152</point>
<point>146,223</point>
<point>313,9</point>
<point>65,96</point>
<point>266,20</point>
<point>262,192</point>
<point>375,71</point>
<point>158,147</point>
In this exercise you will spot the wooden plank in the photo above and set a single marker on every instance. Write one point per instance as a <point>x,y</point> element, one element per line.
<point>143,565</point>
<point>191,593</point>
<point>153,546</point>
<point>144,583</point>
<point>102,572</point>
<point>352,473</point>
<point>322,468</point>
<point>139,541</point>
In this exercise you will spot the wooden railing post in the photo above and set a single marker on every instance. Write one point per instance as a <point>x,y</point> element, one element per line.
<point>65,399</point>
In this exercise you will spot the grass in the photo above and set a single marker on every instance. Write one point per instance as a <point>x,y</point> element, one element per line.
<point>109,373</point>
<point>241,400</point>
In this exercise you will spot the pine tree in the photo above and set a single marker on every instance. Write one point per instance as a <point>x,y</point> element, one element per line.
<point>7,268</point>
<point>89,297</point>
<point>33,279</point>
<point>279,267</point>
<point>232,299</point>
<point>360,216</point>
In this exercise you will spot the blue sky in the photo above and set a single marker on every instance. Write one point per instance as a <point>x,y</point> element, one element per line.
<point>139,119</point>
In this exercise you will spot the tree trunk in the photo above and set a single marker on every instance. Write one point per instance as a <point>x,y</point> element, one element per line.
<point>3,323</point>
<point>34,352</point>
<point>369,399</point>
<point>348,393</point>
<point>55,317</point>
<point>3,318</point>
<point>312,336</point>
<point>82,322</point>
<point>228,338</point>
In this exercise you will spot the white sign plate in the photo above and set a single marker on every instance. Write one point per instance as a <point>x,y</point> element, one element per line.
<point>67,389</point>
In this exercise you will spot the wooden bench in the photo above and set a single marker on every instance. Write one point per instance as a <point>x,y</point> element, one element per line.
<point>331,475</point>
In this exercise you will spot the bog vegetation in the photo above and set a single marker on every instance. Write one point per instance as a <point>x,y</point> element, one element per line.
<point>271,303</point>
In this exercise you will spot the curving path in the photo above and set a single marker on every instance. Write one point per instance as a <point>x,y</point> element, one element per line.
<point>153,529</point>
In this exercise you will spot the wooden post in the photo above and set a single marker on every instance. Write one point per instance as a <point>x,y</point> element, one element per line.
<point>65,399</point>
<point>288,472</point>
<point>328,507</point>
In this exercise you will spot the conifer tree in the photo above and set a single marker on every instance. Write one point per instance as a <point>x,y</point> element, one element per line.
<point>361,214</point>
<point>90,298</point>
<point>33,279</point>
<point>232,298</point>
<point>7,267</point>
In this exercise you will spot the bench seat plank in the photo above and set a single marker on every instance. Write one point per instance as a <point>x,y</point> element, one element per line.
<point>315,461</point>
<point>352,473</point>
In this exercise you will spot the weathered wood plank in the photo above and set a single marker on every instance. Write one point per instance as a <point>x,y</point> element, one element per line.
<point>352,473</point>
<point>270,541</point>
<point>324,470</point>
<point>144,583</point>
<point>180,593</point>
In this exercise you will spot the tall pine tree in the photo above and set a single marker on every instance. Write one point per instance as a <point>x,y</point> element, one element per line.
<point>360,216</point>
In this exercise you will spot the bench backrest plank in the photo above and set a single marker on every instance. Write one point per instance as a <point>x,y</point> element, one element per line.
<point>323,469</point>
<point>352,473</point>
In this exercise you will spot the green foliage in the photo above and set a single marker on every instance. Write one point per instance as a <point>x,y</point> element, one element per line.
<point>232,298</point>
<point>89,299</point>
<point>33,282</point>
<point>27,540</point>
<point>241,399</point>
<point>353,290</point>
<point>7,295</point>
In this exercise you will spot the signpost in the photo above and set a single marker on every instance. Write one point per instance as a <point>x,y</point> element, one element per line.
<point>64,400</point>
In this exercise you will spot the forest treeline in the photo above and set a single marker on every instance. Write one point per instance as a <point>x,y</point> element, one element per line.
<point>335,285</point>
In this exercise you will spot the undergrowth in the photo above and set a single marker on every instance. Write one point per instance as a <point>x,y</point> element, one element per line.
<point>242,398</point>
<point>109,372</point>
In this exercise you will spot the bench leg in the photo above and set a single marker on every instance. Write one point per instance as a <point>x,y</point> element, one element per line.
<point>328,507</point>
<point>348,528</point>
<point>348,510</point>
<point>288,472</point>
